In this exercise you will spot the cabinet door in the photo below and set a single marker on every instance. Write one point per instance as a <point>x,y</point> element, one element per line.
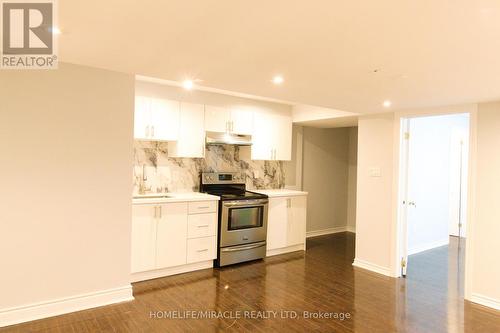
<point>277,223</point>
<point>171,235</point>
<point>216,119</point>
<point>263,137</point>
<point>241,121</point>
<point>143,238</point>
<point>283,137</point>
<point>164,119</point>
<point>297,220</point>
<point>142,118</point>
<point>191,141</point>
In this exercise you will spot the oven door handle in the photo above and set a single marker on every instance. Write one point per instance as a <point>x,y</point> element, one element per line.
<point>243,247</point>
<point>240,203</point>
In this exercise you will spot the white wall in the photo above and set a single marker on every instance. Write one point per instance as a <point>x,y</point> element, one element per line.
<point>374,213</point>
<point>376,222</point>
<point>483,246</point>
<point>352,179</point>
<point>65,217</point>
<point>429,179</point>
<point>326,178</point>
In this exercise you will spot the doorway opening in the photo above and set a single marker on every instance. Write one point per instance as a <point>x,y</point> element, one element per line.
<point>433,189</point>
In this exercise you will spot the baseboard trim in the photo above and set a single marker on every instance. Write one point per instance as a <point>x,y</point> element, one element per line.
<point>429,246</point>
<point>372,267</point>
<point>21,314</point>
<point>288,249</point>
<point>329,231</point>
<point>158,273</point>
<point>485,301</point>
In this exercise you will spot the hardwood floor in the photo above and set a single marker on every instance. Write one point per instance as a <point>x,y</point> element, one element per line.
<point>321,280</point>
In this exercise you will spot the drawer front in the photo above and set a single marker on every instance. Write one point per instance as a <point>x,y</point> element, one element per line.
<point>202,225</point>
<point>200,207</point>
<point>201,249</point>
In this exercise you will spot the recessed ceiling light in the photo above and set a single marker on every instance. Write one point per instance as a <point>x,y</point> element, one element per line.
<point>188,84</point>
<point>387,104</point>
<point>278,79</point>
<point>55,30</point>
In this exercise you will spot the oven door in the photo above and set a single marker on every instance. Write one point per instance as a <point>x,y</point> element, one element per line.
<point>243,222</point>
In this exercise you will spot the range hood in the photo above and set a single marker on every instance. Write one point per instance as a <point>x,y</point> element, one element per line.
<point>216,138</point>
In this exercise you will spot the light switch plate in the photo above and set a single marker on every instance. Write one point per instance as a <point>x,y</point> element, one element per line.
<point>375,172</point>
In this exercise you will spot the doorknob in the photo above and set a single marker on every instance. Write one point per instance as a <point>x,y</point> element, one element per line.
<point>412,203</point>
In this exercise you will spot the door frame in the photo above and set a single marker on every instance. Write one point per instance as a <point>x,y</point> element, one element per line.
<point>399,240</point>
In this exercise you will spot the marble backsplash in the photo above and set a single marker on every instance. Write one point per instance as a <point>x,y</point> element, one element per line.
<point>159,173</point>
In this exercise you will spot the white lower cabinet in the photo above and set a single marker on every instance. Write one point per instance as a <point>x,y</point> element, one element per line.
<point>143,238</point>
<point>286,224</point>
<point>168,237</point>
<point>171,235</point>
<point>201,249</point>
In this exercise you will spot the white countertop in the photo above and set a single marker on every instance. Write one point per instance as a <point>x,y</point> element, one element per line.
<point>173,197</point>
<point>280,193</point>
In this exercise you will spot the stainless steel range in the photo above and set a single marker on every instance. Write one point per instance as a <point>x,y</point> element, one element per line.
<point>242,218</point>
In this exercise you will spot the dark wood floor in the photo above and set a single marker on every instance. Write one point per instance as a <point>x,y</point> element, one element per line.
<point>321,280</point>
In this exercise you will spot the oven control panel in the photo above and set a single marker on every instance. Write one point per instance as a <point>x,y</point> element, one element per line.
<point>223,178</point>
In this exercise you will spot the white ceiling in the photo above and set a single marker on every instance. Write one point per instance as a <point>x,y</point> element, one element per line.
<point>427,52</point>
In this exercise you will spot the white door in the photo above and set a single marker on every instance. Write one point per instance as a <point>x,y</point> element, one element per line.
<point>216,119</point>
<point>283,138</point>
<point>263,137</point>
<point>164,119</point>
<point>172,235</point>
<point>297,220</point>
<point>191,141</point>
<point>458,181</point>
<point>241,121</point>
<point>277,223</point>
<point>142,118</point>
<point>428,183</point>
<point>143,238</point>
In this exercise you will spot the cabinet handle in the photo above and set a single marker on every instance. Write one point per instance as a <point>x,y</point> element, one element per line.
<point>203,207</point>
<point>272,153</point>
<point>154,215</point>
<point>204,250</point>
<point>203,226</point>
<point>227,126</point>
<point>147,131</point>
<point>232,126</point>
<point>152,131</point>
<point>161,213</point>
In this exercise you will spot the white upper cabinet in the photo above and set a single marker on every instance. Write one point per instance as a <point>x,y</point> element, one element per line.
<point>156,119</point>
<point>222,120</point>
<point>165,119</point>
<point>216,119</point>
<point>241,121</point>
<point>272,137</point>
<point>262,138</point>
<point>142,118</point>
<point>191,140</point>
